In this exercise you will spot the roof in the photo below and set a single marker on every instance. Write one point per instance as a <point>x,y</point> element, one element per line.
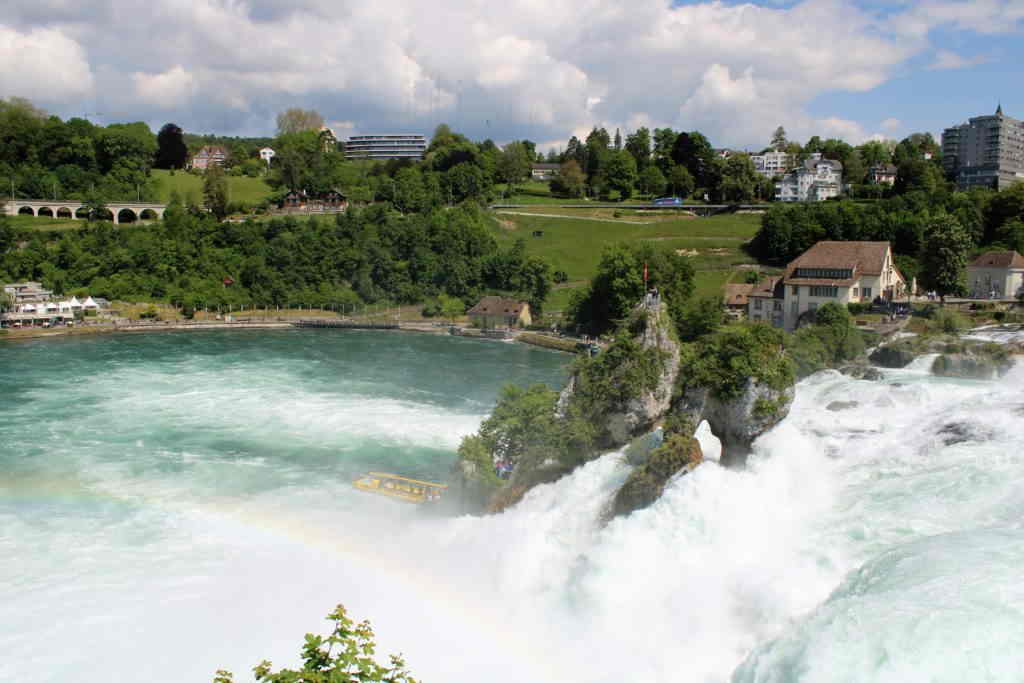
<point>545,167</point>
<point>999,259</point>
<point>496,305</point>
<point>212,149</point>
<point>736,295</point>
<point>863,258</point>
<point>812,164</point>
<point>770,288</point>
<point>884,168</point>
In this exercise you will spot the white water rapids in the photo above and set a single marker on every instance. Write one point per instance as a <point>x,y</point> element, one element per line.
<point>882,542</point>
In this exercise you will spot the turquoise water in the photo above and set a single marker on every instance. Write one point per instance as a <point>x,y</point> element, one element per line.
<point>174,504</point>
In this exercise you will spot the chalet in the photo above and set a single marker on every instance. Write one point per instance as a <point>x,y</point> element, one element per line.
<point>829,272</point>
<point>882,174</point>
<point>495,311</point>
<point>996,275</point>
<point>331,201</point>
<point>737,299</point>
<point>210,155</point>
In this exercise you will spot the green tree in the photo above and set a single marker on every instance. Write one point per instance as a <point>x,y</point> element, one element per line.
<point>701,317</point>
<point>779,141</point>
<point>345,656</point>
<point>171,149</point>
<point>680,182</point>
<point>570,180</point>
<point>513,164</point>
<point>694,152</point>
<point>651,181</point>
<point>298,120</point>
<point>621,173</point>
<point>664,142</point>
<point>215,191</point>
<point>739,178</point>
<point>639,145</point>
<point>944,256</point>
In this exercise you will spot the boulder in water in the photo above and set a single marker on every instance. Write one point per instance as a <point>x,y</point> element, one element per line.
<point>896,355</point>
<point>646,483</point>
<point>861,371</point>
<point>836,406</point>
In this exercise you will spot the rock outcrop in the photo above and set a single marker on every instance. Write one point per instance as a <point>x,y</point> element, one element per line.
<point>646,483</point>
<point>737,421</point>
<point>896,355</point>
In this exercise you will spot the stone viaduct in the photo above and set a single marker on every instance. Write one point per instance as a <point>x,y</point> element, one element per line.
<point>119,212</point>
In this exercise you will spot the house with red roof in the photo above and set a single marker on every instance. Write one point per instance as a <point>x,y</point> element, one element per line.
<point>996,275</point>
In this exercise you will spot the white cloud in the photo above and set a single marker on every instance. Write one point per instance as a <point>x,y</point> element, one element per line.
<point>891,124</point>
<point>165,90</point>
<point>42,64</point>
<point>518,68</point>
<point>945,60</point>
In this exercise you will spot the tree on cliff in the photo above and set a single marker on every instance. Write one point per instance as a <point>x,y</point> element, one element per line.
<point>618,285</point>
<point>345,656</point>
<point>944,256</point>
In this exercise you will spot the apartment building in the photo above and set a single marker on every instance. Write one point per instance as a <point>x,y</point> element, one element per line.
<point>987,151</point>
<point>815,181</point>
<point>772,164</point>
<point>381,147</point>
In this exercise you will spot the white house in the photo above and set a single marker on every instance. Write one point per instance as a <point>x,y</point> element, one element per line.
<point>771,163</point>
<point>996,275</point>
<point>267,154</point>
<point>816,180</point>
<point>828,272</point>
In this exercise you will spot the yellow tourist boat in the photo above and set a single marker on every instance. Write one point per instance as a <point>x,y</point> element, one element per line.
<point>399,487</point>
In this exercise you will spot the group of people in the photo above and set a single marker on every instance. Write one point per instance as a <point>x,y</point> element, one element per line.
<point>503,468</point>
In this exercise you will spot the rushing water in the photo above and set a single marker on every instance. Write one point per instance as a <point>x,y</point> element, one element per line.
<point>173,504</point>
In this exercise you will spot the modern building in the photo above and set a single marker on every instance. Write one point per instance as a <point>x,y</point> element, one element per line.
<point>996,275</point>
<point>544,171</point>
<point>815,181</point>
<point>27,292</point>
<point>495,311</point>
<point>987,151</point>
<point>882,174</point>
<point>772,164</point>
<point>828,272</point>
<point>386,147</point>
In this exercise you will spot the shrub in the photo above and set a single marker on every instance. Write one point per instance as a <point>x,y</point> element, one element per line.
<point>945,321</point>
<point>858,308</point>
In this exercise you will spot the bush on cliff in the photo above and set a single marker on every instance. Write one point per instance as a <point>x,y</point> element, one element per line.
<point>724,361</point>
<point>619,285</point>
<point>646,483</point>
<point>830,340</point>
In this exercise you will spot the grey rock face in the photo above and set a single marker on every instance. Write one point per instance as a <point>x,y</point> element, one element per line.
<point>892,356</point>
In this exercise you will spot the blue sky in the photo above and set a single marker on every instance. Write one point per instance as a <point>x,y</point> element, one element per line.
<point>522,68</point>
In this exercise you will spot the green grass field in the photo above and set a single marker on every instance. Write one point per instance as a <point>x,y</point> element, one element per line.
<point>44,223</point>
<point>538,192</point>
<point>249,191</point>
<point>573,242</point>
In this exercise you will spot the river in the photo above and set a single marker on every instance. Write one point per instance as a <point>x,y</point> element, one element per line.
<point>171,504</point>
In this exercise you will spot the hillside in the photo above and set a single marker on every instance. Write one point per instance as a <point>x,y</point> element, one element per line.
<point>249,191</point>
<point>573,239</point>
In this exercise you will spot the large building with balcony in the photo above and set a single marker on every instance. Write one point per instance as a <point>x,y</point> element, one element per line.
<point>828,272</point>
<point>987,151</point>
<point>383,147</point>
<point>814,181</point>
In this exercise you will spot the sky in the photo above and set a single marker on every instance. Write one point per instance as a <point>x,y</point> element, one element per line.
<point>512,69</point>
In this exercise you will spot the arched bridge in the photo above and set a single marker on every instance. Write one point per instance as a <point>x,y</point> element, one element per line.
<point>120,212</point>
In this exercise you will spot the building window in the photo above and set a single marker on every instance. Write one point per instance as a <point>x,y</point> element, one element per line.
<point>795,308</point>
<point>778,306</point>
<point>830,292</point>
<point>866,292</point>
<point>796,290</point>
<point>757,304</point>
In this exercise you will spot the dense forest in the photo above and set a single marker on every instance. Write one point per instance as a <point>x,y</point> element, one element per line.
<point>362,256</point>
<point>991,219</point>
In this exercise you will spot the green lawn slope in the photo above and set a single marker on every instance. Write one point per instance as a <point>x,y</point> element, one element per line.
<point>572,240</point>
<point>249,191</point>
